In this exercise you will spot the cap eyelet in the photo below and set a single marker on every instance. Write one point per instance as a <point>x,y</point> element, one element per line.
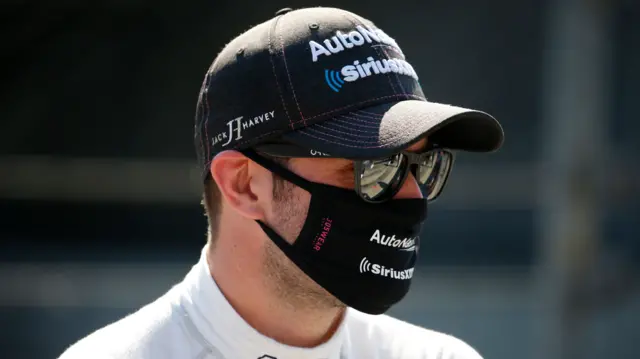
<point>240,51</point>
<point>313,26</point>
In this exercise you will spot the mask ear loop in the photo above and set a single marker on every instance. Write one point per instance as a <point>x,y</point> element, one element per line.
<point>284,246</point>
<point>277,169</point>
<point>301,182</point>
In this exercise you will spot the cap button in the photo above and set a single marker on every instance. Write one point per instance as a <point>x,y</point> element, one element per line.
<point>283,11</point>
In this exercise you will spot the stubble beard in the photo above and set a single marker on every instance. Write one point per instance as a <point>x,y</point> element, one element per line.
<point>282,276</point>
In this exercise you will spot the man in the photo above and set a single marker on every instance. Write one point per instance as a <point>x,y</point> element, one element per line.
<point>319,154</point>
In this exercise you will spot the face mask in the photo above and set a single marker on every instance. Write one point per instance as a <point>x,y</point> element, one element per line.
<point>362,253</point>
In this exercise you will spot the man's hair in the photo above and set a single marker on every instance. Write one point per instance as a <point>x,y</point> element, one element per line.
<point>212,198</point>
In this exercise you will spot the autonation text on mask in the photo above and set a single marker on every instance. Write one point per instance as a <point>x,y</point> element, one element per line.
<point>404,244</point>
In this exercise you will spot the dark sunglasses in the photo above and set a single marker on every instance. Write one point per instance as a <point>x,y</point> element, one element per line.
<point>379,179</point>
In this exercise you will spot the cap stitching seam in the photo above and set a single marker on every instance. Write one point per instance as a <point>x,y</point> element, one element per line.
<point>388,74</point>
<point>384,50</point>
<point>356,22</point>
<point>346,139</point>
<point>359,115</point>
<point>273,67</point>
<point>335,122</point>
<point>346,142</point>
<point>286,67</point>
<point>199,127</point>
<point>319,125</point>
<point>340,138</point>
<point>360,121</point>
<point>369,113</point>
<point>206,121</point>
<point>361,103</point>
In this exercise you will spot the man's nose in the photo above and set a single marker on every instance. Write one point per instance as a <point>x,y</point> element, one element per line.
<point>409,189</point>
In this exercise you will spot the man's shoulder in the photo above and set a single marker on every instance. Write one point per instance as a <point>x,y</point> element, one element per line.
<point>396,338</point>
<point>153,331</point>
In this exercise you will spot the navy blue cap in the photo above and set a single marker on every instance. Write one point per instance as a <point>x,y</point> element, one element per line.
<point>328,80</point>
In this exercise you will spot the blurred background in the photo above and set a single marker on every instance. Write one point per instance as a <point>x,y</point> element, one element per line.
<point>532,252</point>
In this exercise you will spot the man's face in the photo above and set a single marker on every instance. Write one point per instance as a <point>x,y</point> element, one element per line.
<point>289,207</point>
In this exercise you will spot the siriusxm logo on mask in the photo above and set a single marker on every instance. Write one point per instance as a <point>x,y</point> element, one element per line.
<point>350,73</point>
<point>404,244</point>
<point>377,269</point>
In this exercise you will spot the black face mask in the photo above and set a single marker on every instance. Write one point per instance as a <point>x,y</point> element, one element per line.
<point>362,253</point>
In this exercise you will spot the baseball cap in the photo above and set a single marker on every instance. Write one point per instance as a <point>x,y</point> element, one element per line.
<point>331,81</point>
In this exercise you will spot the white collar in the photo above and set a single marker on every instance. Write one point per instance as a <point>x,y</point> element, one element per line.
<point>223,328</point>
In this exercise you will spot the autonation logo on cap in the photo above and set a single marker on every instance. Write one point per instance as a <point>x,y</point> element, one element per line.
<point>335,79</point>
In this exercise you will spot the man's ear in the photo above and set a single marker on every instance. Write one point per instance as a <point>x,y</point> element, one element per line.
<point>237,182</point>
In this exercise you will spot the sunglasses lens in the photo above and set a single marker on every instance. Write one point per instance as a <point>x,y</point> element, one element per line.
<point>379,179</point>
<point>433,173</point>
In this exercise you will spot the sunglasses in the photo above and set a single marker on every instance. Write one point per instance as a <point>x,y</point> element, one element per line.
<point>379,179</point>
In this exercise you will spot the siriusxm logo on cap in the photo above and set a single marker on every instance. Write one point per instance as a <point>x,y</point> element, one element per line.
<point>333,80</point>
<point>350,73</point>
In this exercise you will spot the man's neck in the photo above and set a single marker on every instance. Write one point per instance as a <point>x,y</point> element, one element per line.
<point>246,292</point>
